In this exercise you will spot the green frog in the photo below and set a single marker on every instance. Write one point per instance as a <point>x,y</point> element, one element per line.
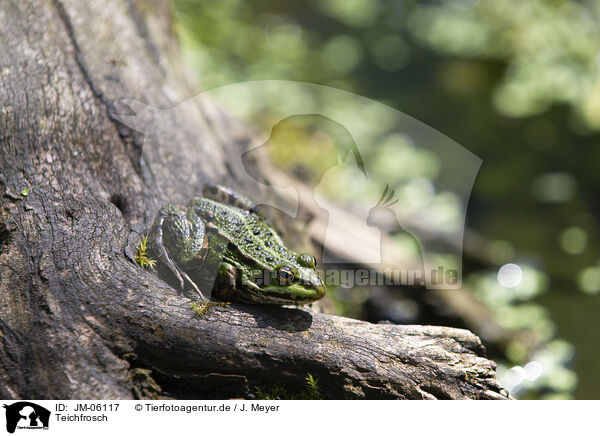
<point>224,229</point>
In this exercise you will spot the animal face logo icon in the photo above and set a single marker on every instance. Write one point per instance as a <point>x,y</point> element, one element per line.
<point>26,415</point>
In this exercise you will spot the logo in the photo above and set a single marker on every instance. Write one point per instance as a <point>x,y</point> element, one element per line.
<point>26,415</point>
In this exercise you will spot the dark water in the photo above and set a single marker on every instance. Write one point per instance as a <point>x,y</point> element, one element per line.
<point>577,318</point>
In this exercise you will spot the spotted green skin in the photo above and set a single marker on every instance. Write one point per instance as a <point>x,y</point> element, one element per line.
<point>223,225</point>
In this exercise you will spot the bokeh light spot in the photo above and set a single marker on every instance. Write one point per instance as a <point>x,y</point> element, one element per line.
<point>573,240</point>
<point>588,280</point>
<point>533,370</point>
<point>510,275</point>
<point>554,187</point>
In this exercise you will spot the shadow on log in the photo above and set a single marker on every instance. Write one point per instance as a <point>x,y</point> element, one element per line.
<point>78,318</point>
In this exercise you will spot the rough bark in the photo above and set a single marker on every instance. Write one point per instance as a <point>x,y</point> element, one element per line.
<point>78,317</point>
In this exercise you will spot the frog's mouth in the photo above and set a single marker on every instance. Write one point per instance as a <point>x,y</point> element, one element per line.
<point>295,292</point>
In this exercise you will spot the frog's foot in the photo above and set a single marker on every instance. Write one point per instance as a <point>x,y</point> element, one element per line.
<point>231,277</point>
<point>229,274</point>
<point>226,195</point>
<point>163,222</point>
<point>230,283</point>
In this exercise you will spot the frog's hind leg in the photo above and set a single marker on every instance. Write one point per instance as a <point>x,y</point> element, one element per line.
<point>168,218</point>
<point>226,195</point>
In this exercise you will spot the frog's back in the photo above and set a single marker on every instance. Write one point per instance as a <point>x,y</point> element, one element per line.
<point>249,233</point>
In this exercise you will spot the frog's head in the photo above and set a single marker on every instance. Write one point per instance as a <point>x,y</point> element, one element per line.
<point>297,282</point>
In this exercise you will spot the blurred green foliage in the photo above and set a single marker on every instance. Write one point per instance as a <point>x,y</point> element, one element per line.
<point>551,49</point>
<point>516,82</point>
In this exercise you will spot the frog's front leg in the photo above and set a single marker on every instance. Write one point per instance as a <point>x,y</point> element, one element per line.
<point>232,281</point>
<point>177,239</point>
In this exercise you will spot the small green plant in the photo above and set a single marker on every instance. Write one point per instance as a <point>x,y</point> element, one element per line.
<point>202,308</point>
<point>26,191</point>
<point>312,389</point>
<point>141,256</point>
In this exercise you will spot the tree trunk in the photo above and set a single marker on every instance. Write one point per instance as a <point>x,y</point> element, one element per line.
<point>78,317</point>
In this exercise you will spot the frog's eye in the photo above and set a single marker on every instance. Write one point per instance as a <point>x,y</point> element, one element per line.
<point>307,261</point>
<point>285,275</point>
